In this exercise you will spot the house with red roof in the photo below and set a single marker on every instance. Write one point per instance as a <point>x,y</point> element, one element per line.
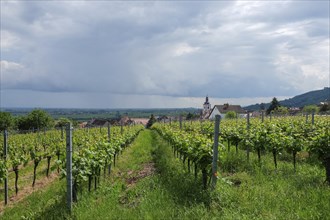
<point>223,109</point>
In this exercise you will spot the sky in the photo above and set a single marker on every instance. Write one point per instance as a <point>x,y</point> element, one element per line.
<point>161,54</point>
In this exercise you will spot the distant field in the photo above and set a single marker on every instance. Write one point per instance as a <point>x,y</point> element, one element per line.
<point>87,114</point>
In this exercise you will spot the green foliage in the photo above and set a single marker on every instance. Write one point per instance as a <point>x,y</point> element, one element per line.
<point>92,151</point>
<point>262,106</point>
<point>281,110</point>
<point>37,119</point>
<point>40,119</point>
<point>151,121</point>
<point>320,143</point>
<point>171,192</point>
<point>273,106</point>
<point>3,170</point>
<point>62,122</point>
<point>6,120</point>
<point>325,107</point>
<point>230,115</point>
<point>22,123</point>
<point>310,109</point>
<point>192,147</point>
<point>189,116</point>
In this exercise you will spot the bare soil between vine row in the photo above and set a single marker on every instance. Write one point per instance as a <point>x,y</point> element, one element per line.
<point>28,190</point>
<point>148,170</point>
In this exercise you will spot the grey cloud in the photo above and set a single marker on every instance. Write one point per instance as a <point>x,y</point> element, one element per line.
<point>175,49</point>
<point>282,12</point>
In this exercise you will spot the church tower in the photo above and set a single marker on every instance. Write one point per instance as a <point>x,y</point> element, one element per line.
<point>207,105</point>
<point>206,108</point>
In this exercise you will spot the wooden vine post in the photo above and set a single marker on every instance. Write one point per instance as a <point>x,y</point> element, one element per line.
<point>69,166</point>
<point>5,135</point>
<point>215,151</point>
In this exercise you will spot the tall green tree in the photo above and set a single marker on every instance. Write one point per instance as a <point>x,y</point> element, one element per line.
<point>40,119</point>
<point>151,121</point>
<point>262,106</point>
<point>37,119</point>
<point>273,106</point>
<point>191,116</point>
<point>6,120</point>
<point>22,123</point>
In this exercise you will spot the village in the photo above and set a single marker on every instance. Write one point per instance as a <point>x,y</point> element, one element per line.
<point>207,112</point>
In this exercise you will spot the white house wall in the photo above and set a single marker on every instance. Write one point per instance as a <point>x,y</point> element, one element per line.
<point>216,112</point>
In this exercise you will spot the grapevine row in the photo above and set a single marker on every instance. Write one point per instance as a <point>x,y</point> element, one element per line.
<point>290,134</point>
<point>93,151</point>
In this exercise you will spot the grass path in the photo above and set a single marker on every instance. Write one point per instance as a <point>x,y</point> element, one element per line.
<point>147,184</point>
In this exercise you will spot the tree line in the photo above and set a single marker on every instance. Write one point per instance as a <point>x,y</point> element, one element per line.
<point>276,108</point>
<point>37,119</point>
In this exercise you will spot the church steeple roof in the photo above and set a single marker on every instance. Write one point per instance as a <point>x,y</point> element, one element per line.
<point>206,100</point>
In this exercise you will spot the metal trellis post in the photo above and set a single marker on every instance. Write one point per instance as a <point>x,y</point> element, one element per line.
<point>69,165</point>
<point>215,151</point>
<point>109,132</point>
<point>180,120</point>
<point>5,135</point>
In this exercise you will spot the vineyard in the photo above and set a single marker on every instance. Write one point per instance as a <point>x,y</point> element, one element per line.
<point>280,150</point>
<point>193,142</point>
<point>94,150</point>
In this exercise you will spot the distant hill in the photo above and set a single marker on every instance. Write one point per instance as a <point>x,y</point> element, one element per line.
<point>308,98</point>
